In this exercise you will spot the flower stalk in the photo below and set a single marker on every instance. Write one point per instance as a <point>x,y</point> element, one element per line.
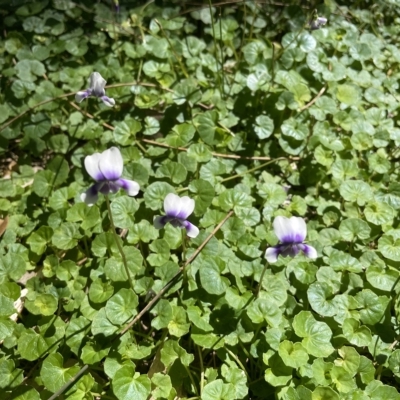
<point>116,237</point>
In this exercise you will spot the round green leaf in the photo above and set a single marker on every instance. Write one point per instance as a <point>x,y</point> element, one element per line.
<point>127,385</point>
<point>121,306</point>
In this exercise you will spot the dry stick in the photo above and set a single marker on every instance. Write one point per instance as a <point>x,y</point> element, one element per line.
<point>320,93</point>
<point>155,143</point>
<point>32,108</point>
<point>149,305</point>
<point>170,283</point>
<point>4,126</point>
<point>70,382</point>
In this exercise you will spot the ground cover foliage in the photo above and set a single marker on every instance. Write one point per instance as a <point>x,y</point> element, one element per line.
<point>247,111</point>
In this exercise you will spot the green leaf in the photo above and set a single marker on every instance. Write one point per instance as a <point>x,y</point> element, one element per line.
<point>178,325</point>
<point>203,195</point>
<point>53,374</point>
<point>9,375</point>
<point>293,354</point>
<point>348,94</point>
<point>66,236</point>
<point>264,126</point>
<point>101,325</point>
<point>151,126</point>
<point>353,228</point>
<point>324,393</point>
<point>123,209</point>
<point>128,385</point>
<point>379,213</point>
<point>371,306</point>
<point>172,351</point>
<point>155,194</point>
<point>100,291</point>
<point>320,296</point>
<point>358,335</point>
<point>263,310</point>
<point>39,239</point>
<point>206,125</point>
<point>42,304</point>
<point>180,135</point>
<point>356,191</point>
<point>210,275</point>
<point>11,267</point>
<point>388,245</point>
<point>174,171</point>
<point>121,306</point>
<point>218,390</point>
<point>316,334</point>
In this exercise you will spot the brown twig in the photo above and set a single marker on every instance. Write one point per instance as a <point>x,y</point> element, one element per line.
<point>320,93</point>
<point>148,306</point>
<point>151,303</point>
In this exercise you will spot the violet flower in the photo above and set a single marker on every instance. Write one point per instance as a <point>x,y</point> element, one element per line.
<point>96,88</point>
<point>291,233</point>
<point>106,168</point>
<point>177,210</point>
<point>317,23</point>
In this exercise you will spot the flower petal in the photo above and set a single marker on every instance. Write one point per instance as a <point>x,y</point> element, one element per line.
<point>160,221</point>
<point>172,204</point>
<point>92,167</point>
<point>131,187</point>
<point>290,230</point>
<point>111,164</point>
<point>97,83</point>
<point>108,101</point>
<point>271,254</point>
<point>309,251</point>
<point>191,230</point>
<point>187,207</point>
<point>91,195</point>
<point>82,95</point>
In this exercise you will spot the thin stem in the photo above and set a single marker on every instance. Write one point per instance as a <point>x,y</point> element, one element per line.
<point>183,231</point>
<point>70,382</point>
<point>216,49</point>
<point>261,278</point>
<point>201,370</point>
<point>236,358</point>
<point>117,238</point>
<point>173,50</point>
<point>191,379</point>
<point>171,282</point>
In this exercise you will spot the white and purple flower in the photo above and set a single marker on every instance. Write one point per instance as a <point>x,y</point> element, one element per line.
<point>317,23</point>
<point>96,88</point>
<point>177,210</point>
<point>106,168</point>
<point>291,232</point>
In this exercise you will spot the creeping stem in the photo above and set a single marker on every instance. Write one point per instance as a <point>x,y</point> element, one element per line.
<point>117,238</point>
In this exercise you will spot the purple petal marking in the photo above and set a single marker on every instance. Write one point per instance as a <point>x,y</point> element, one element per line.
<point>292,238</point>
<point>172,205</point>
<point>160,221</point>
<point>80,96</point>
<point>290,230</point>
<point>309,251</point>
<point>191,230</point>
<point>186,207</point>
<point>108,101</point>
<point>108,187</point>
<point>131,187</point>
<point>111,164</point>
<point>91,195</point>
